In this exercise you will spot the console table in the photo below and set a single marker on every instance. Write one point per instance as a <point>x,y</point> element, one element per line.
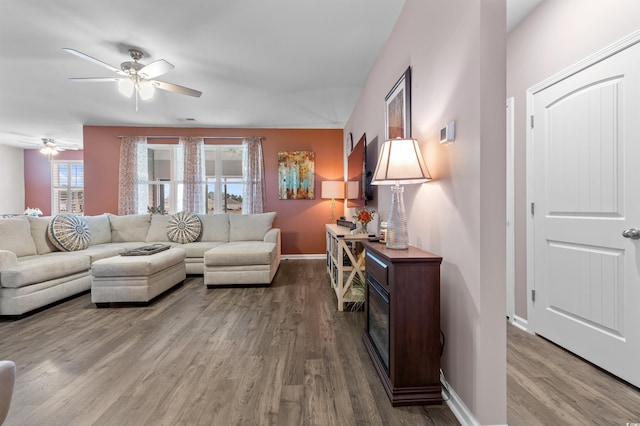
<point>402,327</point>
<point>344,262</point>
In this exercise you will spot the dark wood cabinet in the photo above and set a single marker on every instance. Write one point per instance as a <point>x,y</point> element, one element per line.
<point>402,329</point>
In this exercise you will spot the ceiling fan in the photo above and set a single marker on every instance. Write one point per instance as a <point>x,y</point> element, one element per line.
<point>135,77</point>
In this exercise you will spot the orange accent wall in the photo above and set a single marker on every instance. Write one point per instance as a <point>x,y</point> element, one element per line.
<point>37,178</point>
<point>301,221</point>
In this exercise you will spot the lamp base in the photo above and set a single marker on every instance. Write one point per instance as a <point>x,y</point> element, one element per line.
<point>397,234</point>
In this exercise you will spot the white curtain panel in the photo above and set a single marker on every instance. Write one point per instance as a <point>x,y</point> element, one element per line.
<point>253,176</point>
<point>133,190</point>
<point>191,174</point>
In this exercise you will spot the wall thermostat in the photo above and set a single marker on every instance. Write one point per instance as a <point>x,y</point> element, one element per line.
<point>448,133</point>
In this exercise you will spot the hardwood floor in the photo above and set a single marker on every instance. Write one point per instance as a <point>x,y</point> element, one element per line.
<point>279,355</point>
<point>546,385</point>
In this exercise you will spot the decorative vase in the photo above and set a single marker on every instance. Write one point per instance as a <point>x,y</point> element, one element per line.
<point>362,228</point>
<point>397,235</point>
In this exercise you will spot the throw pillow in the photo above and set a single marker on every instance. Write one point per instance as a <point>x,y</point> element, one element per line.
<point>15,236</point>
<point>184,227</point>
<point>250,227</point>
<point>69,232</point>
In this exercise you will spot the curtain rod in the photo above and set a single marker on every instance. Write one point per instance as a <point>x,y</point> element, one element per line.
<point>203,137</point>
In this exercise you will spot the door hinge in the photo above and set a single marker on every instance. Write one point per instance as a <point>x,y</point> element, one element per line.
<point>533,295</point>
<point>533,208</point>
<point>532,122</point>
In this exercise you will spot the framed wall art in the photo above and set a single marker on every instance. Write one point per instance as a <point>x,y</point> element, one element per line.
<point>296,175</point>
<point>397,116</point>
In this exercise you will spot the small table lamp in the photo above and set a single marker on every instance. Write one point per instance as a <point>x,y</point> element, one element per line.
<point>353,190</point>
<point>333,189</point>
<point>400,161</point>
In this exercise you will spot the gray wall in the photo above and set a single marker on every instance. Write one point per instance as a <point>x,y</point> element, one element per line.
<point>556,35</point>
<point>11,180</point>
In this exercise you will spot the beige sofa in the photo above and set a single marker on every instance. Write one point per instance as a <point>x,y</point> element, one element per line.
<point>34,273</point>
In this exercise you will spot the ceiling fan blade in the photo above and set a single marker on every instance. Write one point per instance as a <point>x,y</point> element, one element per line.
<point>155,69</point>
<point>94,60</point>
<point>95,79</point>
<point>175,88</point>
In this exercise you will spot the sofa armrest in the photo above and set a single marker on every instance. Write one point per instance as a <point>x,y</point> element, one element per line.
<point>272,236</point>
<point>7,259</point>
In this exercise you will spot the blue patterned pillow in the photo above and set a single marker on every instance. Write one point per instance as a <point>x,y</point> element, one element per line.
<point>69,232</point>
<point>184,227</point>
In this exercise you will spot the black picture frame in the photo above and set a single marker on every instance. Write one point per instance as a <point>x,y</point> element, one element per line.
<point>397,108</point>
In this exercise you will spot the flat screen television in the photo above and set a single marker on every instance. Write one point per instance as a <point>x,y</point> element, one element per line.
<point>360,167</point>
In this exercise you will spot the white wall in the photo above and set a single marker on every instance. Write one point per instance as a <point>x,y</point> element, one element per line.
<point>556,35</point>
<point>457,52</point>
<point>11,180</point>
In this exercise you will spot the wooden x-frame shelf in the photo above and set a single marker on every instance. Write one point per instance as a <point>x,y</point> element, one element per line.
<point>344,262</point>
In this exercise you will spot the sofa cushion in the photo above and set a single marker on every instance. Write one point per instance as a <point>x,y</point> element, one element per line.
<point>39,229</point>
<point>15,236</point>
<point>46,267</point>
<point>184,227</point>
<point>250,227</point>
<point>199,248</point>
<point>69,232</point>
<point>241,253</point>
<point>215,227</point>
<point>158,229</point>
<point>127,228</point>
<point>99,228</point>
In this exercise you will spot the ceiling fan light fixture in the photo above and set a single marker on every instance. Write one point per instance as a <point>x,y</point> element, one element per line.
<point>146,90</point>
<point>47,150</point>
<point>126,86</point>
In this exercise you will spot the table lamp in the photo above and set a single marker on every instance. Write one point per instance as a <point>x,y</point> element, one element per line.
<point>332,189</point>
<point>399,162</point>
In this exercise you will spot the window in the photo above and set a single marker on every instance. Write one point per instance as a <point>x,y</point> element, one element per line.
<point>67,187</point>
<point>223,168</point>
<point>161,172</point>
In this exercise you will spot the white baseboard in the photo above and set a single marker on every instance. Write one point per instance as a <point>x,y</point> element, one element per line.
<point>303,256</point>
<point>520,322</point>
<point>457,407</point>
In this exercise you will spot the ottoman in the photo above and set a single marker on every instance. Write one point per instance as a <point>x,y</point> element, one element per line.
<point>241,263</point>
<point>136,278</point>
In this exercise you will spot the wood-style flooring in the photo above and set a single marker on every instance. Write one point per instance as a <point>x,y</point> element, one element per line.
<point>547,385</point>
<point>279,355</point>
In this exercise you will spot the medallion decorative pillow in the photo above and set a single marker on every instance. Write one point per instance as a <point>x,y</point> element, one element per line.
<point>184,227</point>
<point>69,232</point>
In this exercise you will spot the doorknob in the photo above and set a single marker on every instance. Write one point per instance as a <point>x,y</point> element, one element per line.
<point>633,233</point>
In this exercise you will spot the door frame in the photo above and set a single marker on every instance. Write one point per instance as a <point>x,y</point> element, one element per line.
<point>600,55</point>
<point>511,259</point>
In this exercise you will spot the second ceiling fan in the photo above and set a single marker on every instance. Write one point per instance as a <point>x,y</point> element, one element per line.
<point>135,77</point>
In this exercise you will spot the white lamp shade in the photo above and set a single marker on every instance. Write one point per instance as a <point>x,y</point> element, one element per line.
<point>353,189</point>
<point>125,86</point>
<point>400,161</point>
<point>146,90</point>
<point>332,189</point>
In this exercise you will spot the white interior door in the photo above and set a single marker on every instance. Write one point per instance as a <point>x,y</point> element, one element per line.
<point>586,192</point>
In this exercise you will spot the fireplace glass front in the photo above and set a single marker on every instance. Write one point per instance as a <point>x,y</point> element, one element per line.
<point>378,318</point>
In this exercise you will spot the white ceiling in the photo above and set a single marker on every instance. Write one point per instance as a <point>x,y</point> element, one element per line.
<point>276,63</point>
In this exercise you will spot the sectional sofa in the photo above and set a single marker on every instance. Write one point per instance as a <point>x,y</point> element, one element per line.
<point>34,272</point>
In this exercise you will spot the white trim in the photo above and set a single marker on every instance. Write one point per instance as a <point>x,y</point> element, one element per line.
<point>511,274</point>
<point>599,56</point>
<point>456,405</point>
<point>521,323</point>
<point>304,256</point>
